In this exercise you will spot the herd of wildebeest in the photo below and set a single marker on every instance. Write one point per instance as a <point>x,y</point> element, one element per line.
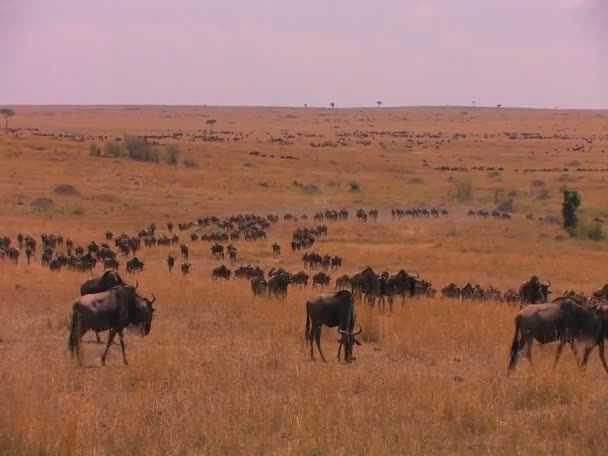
<point>108,303</point>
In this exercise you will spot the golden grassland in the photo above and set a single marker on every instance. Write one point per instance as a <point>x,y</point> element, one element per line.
<point>224,373</point>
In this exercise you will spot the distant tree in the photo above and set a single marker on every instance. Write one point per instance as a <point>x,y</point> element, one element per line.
<point>572,200</point>
<point>305,105</point>
<point>498,106</point>
<point>211,123</point>
<point>6,113</point>
<point>474,103</point>
<point>379,103</point>
<point>332,104</point>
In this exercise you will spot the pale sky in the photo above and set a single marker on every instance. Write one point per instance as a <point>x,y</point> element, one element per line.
<point>537,53</point>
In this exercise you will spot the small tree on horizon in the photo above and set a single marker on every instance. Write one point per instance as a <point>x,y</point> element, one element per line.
<point>211,123</point>
<point>332,104</point>
<point>572,200</point>
<point>379,103</point>
<point>6,113</point>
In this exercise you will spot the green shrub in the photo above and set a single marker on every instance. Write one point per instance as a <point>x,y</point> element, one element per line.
<point>113,149</point>
<point>138,148</point>
<point>572,200</point>
<point>171,155</point>
<point>462,190</point>
<point>94,150</point>
<point>594,232</point>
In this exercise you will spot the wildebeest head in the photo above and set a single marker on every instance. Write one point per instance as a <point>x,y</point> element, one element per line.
<point>144,314</point>
<point>348,340</point>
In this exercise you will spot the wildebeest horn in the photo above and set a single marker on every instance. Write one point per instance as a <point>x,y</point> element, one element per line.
<point>136,284</point>
<point>358,332</point>
<point>341,331</point>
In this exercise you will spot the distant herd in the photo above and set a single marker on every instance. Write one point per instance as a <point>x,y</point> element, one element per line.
<point>107,303</point>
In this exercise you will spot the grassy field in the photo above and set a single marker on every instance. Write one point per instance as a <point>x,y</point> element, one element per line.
<point>223,372</point>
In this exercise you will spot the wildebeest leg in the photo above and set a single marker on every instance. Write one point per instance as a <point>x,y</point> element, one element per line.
<point>601,350</point>
<point>318,340</point>
<point>97,337</point>
<point>588,351</point>
<point>122,347</point>
<point>558,353</point>
<point>311,337</point>
<point>110,340</point>
<point>339,349</point>
<point>528,352</point>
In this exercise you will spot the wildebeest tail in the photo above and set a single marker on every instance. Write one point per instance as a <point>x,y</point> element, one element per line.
<point>307,332</point>
<point>74,338</point>
<point>515,345</point>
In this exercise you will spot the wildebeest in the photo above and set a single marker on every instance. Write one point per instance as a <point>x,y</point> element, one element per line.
<point>366,283</point>
<point>185,268</point>
<point>103,282</point>
<point>562,320</point>
<point>300,278</point>
<point>113,310</point>
<point>184,251</point>
<point>170,262</point>
<point>533,291</point>
<point>135,264</point>
<point>450,291</point>
<point>343,282</point>
<point>331,310</point>
<point>320,278</point>
<point>278,283</point>
<point>276,249</point>
<point>221,272</point>
<point>259,286</point>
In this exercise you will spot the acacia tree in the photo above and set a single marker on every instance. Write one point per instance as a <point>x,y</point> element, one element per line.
<point>379,103</point>
<point>572,200</point>
<point>211,123</point>
<point>6,113</point>
<point>332,104</point>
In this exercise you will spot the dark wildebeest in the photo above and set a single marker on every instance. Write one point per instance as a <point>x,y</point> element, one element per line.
<point>320,278</point>
<point>135,264</point>
<point>170,262</point>
<point>562,320</point>
<point>366,283</point>
<point>331,310</point>
<point>300,278</point>
<point>99,284</point>
<point>343,282</point>
<point>185,267</point>
<point>534,291</point>
<point>276,249</point>
<point>113,310</point>
<point>278,284</point>
<point>450,291</point>
<point>258,286</point>
<point>221,272</point>
<point>184,251</point>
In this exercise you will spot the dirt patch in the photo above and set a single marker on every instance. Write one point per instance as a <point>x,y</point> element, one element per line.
<point>66,190</point>
<point>42,203</point>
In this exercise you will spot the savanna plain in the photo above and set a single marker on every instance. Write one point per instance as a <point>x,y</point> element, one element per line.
<point>224,372</point>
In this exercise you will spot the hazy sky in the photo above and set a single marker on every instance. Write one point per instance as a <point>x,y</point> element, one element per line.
<point>540,53</point>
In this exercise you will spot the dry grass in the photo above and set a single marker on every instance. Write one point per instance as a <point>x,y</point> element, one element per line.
<point>224,373</point>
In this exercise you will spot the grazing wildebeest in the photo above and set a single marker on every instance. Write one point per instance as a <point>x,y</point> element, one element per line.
<point>170,262</point>
<point>185,267</point>
<point>184,251</point>
<point>331,310</point>
<point>300,278</point>
<point>343,282</point>
<point>562,320</point>
<point>450,291</point>
<point>221,272</point>
<point>534,291</point>
<point>320,278</point>
<point>113,310</point>
<point>259,286</point>
<point>278,283</point>
<point>135,264</point>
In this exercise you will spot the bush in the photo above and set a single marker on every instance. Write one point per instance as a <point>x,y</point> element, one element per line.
<point>594,232</point>
<point>572,200</point>
<point>138,148</point>
<point>94,150</point>
<point>190,163</point>
<point>113,150</point>
<point>171,155</point>
<point>355,187</point>
<point>462,190</point>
